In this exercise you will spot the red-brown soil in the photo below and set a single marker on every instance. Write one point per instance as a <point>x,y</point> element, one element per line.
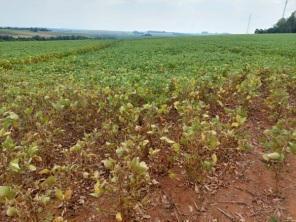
<point>243,188</point>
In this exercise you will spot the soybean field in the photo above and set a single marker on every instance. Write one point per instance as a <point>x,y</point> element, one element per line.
<point>156,129</point>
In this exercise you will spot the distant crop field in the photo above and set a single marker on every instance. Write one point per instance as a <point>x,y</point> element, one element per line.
<point>22,50</point>
<point>148,129</point>
<point>27,33</point>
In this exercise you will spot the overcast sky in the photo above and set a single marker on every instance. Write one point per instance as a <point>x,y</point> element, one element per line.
<point>128,15</point>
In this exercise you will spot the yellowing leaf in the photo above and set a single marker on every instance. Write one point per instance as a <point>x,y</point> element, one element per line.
<point>59,219</point>
<point>169,141</point>
<point>273,156</point>
<point>44,171</point>
<point>32,168</point>
<point>153,152</point>
<point>214,159</point>
<point>68,194</point>
<point>98,189</point>
<point>203,137</point>
<point>145,142</point>
<point>172,175</point>
<point>11,211</point>
<point>235,124</point>
<point>176,147</point>
<point>118,217</point>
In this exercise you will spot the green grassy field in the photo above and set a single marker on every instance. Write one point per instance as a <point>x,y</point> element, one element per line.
<point>104,120</point>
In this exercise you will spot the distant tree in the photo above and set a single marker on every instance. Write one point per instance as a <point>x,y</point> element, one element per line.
<point>40,38</point>
<point>32,29</point>
<point>282,26</point>
<point>291,23</point>
<point>147,35</point>
<point>6,38</point>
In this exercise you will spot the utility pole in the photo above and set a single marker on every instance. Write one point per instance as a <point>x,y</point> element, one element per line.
<point>249,23</point>
<point>284,12</point>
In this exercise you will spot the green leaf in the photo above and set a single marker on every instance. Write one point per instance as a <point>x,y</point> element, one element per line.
<point>292,147</point>
<point>49,182</point>
<point>11,119</point>
<point>109,163</point>
<point>11,115</point>
<point>4,133</point>
<point>77,147</point>
<point>208,165</point>
<point>59,194</point>
<point>6,193</point>
<point>138,167</point>
<point>44,199</point>
<point>8,143</point>
<point>120,151</point>
<point>212,140</point>
<point>32,150</point>
<point>14,166</point>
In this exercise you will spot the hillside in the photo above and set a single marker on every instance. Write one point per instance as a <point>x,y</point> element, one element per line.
<point>44,33</point>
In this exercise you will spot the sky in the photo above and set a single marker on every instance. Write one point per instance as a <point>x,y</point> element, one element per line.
<point>190,16</point>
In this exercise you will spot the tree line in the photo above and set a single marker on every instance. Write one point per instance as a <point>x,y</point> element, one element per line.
<point>41,38</point>
<point>53,38</point>
<point>282,26</point>
<point>32,29</point>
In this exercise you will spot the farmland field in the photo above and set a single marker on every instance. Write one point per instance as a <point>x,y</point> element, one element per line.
<point>149,129</point>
